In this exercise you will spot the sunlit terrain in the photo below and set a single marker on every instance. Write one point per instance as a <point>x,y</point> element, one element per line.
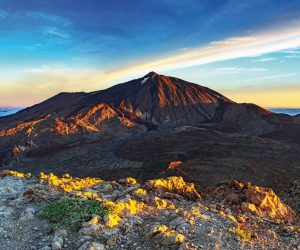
<point>162,124</point>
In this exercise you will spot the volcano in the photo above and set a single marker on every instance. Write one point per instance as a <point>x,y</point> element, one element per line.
<point>153,100</point>
<point>105,131</point>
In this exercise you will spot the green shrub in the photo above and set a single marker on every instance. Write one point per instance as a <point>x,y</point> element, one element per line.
<point>71,212</point>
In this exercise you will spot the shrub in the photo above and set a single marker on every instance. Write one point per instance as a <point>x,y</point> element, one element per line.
<point>71,212</point>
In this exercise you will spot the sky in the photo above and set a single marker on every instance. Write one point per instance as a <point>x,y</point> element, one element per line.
<point>249,50</point>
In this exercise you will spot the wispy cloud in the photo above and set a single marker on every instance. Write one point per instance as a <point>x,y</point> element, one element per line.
<point>265,59</point>
<point>270,77</point>
<point>48,69</point>
<point>51,18</point>
<point>295,56</point>
<point>56,33</point>
<point>234,70</point>
<point>3,13</point>
<point>230,48</point>
<point>293,52</point>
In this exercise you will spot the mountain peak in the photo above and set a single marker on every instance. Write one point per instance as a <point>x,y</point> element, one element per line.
<point>151,73</point>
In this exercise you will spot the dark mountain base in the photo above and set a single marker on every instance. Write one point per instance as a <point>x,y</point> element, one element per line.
<point>208,157</point>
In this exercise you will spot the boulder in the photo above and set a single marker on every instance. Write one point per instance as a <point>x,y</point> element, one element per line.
<point>175,185</point>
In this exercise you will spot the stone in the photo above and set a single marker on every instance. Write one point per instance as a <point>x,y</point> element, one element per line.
<point>6,211</point>
<point>3,233</point>
<point>61,232</point>
<point>91,230</point>
<point>56,245</point>
<point>180,224</point>
<point>247,207</point>
<point>267,202</point>
<point>46,248</point>
<point>233,198</point>
<point>92,246</point>
<point>175,185</point>
<point>28,214</point>
<point>163,235</point>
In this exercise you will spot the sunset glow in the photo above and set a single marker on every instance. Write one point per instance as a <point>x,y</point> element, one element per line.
<point>50,48</point>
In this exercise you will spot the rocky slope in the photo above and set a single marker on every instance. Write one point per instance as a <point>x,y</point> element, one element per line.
<point>159,214</point>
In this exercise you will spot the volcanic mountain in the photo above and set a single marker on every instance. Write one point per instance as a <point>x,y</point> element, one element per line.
<point>152,101</point>
<point>105,130</point>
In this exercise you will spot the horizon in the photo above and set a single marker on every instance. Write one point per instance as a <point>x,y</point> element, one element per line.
<point>71,46</point>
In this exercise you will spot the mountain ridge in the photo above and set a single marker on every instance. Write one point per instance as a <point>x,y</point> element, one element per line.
<point>163,117</point>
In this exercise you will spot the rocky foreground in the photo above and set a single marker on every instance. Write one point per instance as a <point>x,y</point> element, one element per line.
<point>48,212</point>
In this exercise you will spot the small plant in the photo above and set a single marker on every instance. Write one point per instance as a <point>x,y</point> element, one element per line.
<point>71,212</point>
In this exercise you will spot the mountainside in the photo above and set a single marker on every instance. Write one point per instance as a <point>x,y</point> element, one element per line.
<point>90,134</point>
<point>153,99</point>
<point>163,100</point>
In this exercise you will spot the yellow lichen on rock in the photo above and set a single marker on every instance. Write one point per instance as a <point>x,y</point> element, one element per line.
<point>131,181</point>
<point>176,185</point>
<point>165,236</point>
<point>140,192</point>
<point>123,208</point>
<point>68,183</point>
<point>112,220</point>
<point>265,201</point>
<point>88,195</point>
<point>16,173</point>
<point>163,203</point>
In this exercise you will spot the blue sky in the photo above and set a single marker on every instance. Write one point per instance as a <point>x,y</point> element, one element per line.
<point>248,50</point>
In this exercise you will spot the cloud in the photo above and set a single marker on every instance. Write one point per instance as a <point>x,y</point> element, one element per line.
<point>56,33</point>
<point>230,48</point>
<point>296,56</point>
<point>49,81</point>
<point>270,77</point>
<point>3,14</point>
<point>297,52</point>
<point>266,59</point>
<point>51,18</point>
<point>233,70</point>
<point>48,69</point>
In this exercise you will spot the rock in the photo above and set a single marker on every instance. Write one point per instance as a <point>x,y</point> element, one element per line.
<point>267,202</point>
<point>56,245</point>
<point>6,212</point>
<point>28,214</point>
<point>175,185</point>
<point>59,239</point>
<point>233,198</point>
<point>94,221</point>
<point>271,234</point>
<point>3,233</point>
<point>236,184</point>
<point>163,235</point>
<point>28,192</point>
<point>111,220</point>
<point>61,232</point>
<point>247,207</point>
<point>91,230</point>
<point>107,187</point>
<point>180,224</point>
<point>46,248</point>
<point>92,246</point>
